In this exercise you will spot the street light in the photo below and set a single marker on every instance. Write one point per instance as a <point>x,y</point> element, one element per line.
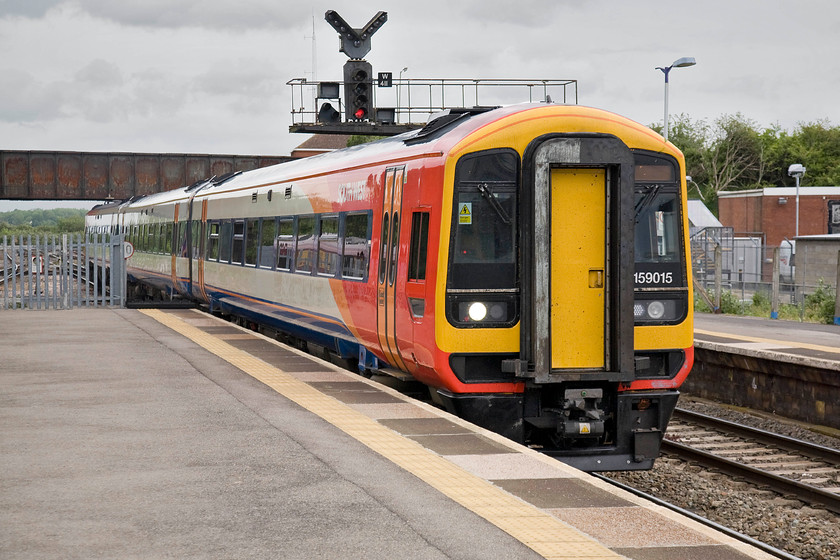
<point>797,170</point>
<point>399,87</point>
<point>679,63</point>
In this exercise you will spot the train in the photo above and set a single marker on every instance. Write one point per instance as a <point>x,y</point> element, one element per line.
<point>529,264</point>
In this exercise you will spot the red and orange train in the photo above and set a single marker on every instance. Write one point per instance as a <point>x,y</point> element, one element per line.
<point>527,263</point>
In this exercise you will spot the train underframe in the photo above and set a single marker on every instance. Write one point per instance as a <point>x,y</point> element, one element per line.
<point>590,426</point>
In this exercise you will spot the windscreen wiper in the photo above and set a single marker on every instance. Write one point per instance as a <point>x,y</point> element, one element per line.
<point>488,193</point>
<point>647,199</point>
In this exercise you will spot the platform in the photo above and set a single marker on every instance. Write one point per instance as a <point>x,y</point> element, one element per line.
<point>151,434</point>
<point>785,368</point>
<point>785,341</point>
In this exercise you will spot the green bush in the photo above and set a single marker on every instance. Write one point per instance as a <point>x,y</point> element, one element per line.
<point>729,303</point>
<point>700,303</point>
<point>760,300</point>
<point>819,306</point>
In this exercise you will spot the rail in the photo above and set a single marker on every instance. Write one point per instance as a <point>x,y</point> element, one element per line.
<point>784,484</point>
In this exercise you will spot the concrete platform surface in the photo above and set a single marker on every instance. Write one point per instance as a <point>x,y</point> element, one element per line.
<point>129,434</point>
<point>785,341</point>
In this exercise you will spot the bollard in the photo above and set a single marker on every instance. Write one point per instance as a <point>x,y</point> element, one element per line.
<point>718,274</point>
<point>774,305</point>
<point>837,293</point>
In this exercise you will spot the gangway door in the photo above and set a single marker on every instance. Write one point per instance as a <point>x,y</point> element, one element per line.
<point>577,260</point>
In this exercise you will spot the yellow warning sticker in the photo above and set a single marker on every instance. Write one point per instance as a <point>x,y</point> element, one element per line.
<point>465,213</point>
<point>584,427</point>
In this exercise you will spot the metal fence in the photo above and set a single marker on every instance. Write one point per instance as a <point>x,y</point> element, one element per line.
<point>742,265</point>
<point>413,100</point>
<point>62,272</point>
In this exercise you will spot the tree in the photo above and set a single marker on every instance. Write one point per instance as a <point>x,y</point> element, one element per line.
<point>691,137</point>
<point>734,154</point>
<point>357,139</point>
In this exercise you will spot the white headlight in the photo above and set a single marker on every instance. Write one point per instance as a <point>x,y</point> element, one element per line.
<point>477,311</point>
<point>656,310</point>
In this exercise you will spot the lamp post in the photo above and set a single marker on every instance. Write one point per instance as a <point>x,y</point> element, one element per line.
<point>399,87</point>
<point>797,170</point>
<point>679,63</point>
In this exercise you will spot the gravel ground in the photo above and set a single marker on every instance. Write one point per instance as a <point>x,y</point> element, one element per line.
<point>783,523</point>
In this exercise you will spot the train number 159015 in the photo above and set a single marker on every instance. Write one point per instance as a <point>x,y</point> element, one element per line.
<point>654,277</point>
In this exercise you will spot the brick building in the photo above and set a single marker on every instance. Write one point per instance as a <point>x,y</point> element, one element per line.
<point>319,144</point>
<point>772,212</point>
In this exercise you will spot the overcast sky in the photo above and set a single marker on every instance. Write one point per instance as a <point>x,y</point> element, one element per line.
<point>209,76</point>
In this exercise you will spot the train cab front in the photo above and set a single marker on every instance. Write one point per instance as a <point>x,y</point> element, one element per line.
<point>578,251</point>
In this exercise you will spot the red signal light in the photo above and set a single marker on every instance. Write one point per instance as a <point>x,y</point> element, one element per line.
<point>360,113</point>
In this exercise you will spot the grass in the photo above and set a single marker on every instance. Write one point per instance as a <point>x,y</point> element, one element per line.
<point>818,305</point>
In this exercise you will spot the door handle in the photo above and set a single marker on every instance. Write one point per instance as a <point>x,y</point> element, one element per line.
<point>596,278</point>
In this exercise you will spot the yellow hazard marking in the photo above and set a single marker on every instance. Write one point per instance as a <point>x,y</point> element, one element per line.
<point>584,428</point>
<point>540,531</point>
<point>779,343</point>
<point>465,213</point>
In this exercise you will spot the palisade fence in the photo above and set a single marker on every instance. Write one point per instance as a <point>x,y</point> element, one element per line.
<point>749,271</point>
<point>62,272</point>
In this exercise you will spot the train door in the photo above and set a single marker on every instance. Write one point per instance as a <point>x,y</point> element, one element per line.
<point>391,217</point>
<point>577,260</point>
<point>173,254</point>
<point>198,219</point>
<point>578,302</point>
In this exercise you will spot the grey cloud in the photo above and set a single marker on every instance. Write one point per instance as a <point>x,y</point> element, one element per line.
<point>28,100</point>
<point>210,14</point>
<point>101,74</point>
<point>497,14</point>
<point>27,8</point>
<point>157,93</point>
<point>242,78</point>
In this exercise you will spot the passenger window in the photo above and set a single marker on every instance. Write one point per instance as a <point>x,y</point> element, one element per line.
<point>267,235</point>
<point>213,241</point>
<point>328,246</point>
<point>196,238</point>
<point>225,241</point>
<point>305,250</point>
<point>238,242</point>
<point>167,237</point>
<point>419,242</point>
<point>285,244</point>
<point>252,239</point>
<point>356,246</point>
<point>157,244</point>
<point>183,248</point>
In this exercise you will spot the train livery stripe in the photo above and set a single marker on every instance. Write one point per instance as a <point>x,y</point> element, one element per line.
<point>779,343</point>
<point>572,112</point>
<point>540,531</point>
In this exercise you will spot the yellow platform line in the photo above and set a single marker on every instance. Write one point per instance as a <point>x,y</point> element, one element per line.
<point>780,343</point>
<point>540,531</point>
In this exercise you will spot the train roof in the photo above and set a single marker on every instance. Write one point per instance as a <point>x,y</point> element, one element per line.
<point>437,138</point>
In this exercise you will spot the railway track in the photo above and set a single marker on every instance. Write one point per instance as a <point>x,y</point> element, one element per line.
<point>810,473</point>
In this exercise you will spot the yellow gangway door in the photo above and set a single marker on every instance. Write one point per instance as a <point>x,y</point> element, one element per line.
<point>578,269</point>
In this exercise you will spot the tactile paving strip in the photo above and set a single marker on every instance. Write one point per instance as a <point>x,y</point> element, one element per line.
<point>540,531</point>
